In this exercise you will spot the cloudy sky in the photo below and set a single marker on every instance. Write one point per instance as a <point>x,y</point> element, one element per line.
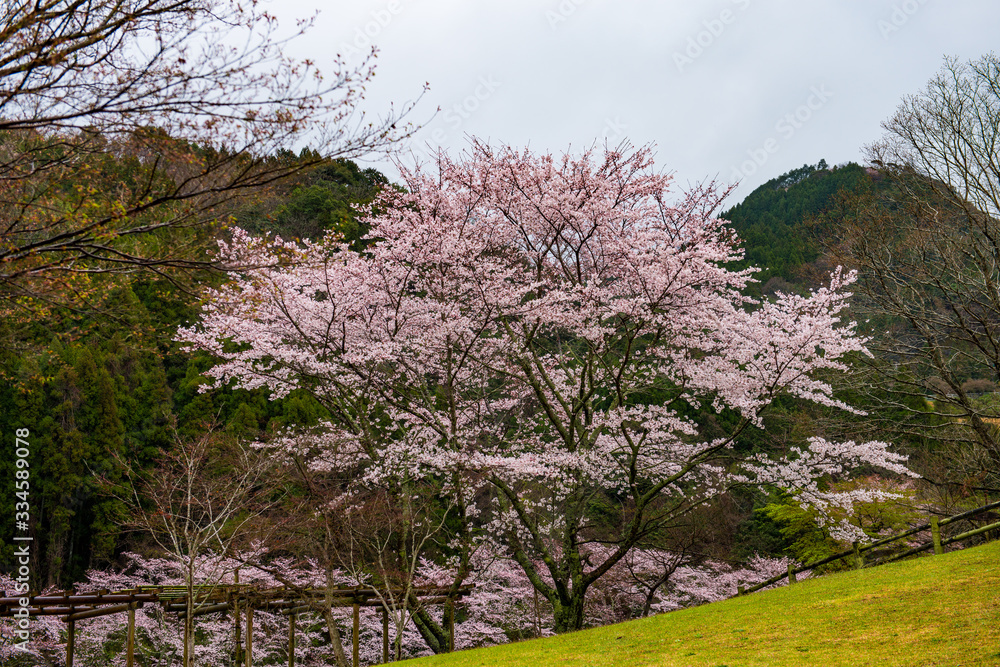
<point>739,90</point>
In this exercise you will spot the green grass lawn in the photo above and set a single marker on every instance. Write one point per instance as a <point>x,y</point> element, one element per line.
<point>938,610</point>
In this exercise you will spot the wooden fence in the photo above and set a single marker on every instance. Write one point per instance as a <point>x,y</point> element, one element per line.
<point>858,550</point>
<point>213,599</point>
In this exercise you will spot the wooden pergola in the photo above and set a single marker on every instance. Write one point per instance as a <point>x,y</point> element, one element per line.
<point>73,607</point>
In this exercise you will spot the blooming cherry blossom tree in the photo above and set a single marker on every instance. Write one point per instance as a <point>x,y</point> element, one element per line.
<point>535,334</point>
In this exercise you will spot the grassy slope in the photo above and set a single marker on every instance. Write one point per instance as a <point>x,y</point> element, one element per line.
<point>942,610</point>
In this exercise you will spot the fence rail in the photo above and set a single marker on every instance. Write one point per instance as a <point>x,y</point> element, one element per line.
<point>216,598</point>
<point>857,550</point>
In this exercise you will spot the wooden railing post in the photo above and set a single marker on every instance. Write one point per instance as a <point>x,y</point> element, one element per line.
<point>859,561</point>
<point>936,535</point>
<point>238,638</point>
<point>70,641</point>
<point>130,641</point>
<point>791,574</point>
<point>249,651</point>
<point>291,640</point>
<point>741,591</point>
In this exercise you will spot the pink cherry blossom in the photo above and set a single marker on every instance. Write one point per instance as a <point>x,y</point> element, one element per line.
<point>528,327</point>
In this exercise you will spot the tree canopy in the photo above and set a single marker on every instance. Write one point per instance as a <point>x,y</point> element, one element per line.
<point>528,328</point>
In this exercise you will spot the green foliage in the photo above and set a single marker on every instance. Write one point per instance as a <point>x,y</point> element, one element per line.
<point>806,533</point>
<point>772,221</point>
<point>96,376</point>
<point>758,533</point>
<point>322,201</point>
<point>807,540</point>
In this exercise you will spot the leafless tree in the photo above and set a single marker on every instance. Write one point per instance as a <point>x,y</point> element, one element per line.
<point>197,504</point>
<point>926,238</point>
<point>125,125</point>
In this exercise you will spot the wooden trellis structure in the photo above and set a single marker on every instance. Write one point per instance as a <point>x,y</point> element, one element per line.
<point>239,598</point>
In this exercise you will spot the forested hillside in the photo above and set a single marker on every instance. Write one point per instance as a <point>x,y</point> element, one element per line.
<point>774,223</point>
<point>96,386</point>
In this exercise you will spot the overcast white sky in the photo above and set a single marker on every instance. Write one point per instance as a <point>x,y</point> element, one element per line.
<point>735,89</point>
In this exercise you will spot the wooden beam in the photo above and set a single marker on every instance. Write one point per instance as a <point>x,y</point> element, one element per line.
<point>207,609</point>
<point>75,600</point>
<point>100,611</point>
<point>966,515</point>
<point>169,596</point>
<point>291,640</point>
<point>49,611</point>
<point>973,533</point>
<point>301,609</point>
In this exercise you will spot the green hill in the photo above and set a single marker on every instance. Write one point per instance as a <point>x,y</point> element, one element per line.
<point>937,610</point>
<point>773,222</point>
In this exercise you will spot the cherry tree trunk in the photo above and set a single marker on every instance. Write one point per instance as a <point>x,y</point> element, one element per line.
<point>335,639</point>
<point>569,613</point>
